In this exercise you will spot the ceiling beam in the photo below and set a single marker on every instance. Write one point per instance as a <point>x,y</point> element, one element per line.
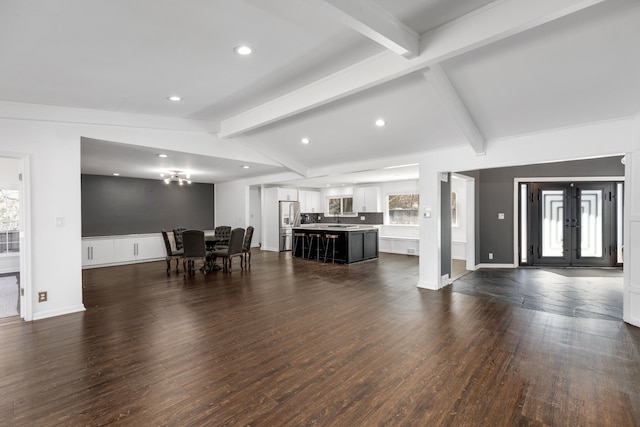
<point>282,159</point>
<point>498,20</point>
<point>373,22</point>
<point>454,105</point>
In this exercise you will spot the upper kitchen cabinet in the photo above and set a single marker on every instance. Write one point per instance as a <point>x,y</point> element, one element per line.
<point>309,201</point>
<point>366,199</point>
<point>288,194</point>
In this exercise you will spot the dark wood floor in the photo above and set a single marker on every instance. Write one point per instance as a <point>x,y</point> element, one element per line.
<point>294,342</point>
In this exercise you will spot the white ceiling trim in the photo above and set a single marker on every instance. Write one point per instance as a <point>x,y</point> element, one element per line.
<point>454,105</point>
<point>500,20</point>
<point>373,22</point>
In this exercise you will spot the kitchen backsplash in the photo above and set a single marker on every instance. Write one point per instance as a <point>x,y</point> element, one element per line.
<point>369,218</point>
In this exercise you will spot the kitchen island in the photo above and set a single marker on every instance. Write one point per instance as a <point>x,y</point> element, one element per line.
<point>353,243</point>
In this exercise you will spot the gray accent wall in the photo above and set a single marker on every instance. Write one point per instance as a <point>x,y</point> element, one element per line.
<point>494,194</point>
<point>119,205</point>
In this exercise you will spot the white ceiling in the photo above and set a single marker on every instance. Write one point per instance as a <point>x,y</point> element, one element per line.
<point>322,69</point>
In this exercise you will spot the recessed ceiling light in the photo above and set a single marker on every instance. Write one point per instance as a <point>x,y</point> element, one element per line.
<point>380,122</point>
<point>246,166</point>
<point>305,140</point>
<point>116,174</point>
<point>243,50</point>
<point>174,98</point>
<point>164,156</point>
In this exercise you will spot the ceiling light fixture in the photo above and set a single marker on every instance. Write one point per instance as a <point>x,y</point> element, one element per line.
<point>176,176</point>
<point>246,167</point>
<point>243,50</point>
<point>116,174</point>
<point>174,98</point>
<point>305,140</point>
<point>164,156</point>
<point>380,123</point>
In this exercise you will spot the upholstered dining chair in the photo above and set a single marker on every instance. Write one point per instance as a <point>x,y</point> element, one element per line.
<point>222,233</point>
<point>233,250</point>
<point>246,246</point>
<point>177,236</point>
<point>193,250</point>
<point>171,252</point>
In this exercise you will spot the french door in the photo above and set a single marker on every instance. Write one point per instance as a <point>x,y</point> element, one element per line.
<point>571,224</point>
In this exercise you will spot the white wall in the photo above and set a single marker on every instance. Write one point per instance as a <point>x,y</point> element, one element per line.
<point>231,204</point>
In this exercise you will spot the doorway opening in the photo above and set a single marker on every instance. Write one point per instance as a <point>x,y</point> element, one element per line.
<point>10,242</point>
<point>570,223</point>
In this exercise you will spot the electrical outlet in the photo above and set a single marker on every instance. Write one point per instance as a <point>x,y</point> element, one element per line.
<point>362,218</point>
<point>42,296</point>
<point>490,255</point>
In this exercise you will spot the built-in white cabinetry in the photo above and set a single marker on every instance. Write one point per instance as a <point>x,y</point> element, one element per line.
<point>288,194</point>
<point>111,250</point>
<point>309,201</point>
<point>97,251</point>
<point>366,199</point>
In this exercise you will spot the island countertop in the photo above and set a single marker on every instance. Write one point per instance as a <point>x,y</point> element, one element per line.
<point>334,227</point>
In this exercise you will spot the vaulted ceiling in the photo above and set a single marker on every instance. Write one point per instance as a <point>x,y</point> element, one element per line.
<point>441,73</point>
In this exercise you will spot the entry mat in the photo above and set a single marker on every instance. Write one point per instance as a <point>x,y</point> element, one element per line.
<point>9,291</point>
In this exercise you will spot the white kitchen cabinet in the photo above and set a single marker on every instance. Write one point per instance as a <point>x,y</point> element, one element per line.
<point>309,201</point>
<point>366,199</point>
<point>97,251</point>
<point>288,194</point>
<point>313,202</point>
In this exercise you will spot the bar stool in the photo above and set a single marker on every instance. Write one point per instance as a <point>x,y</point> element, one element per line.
<point>330,239</point>
<point>318,238</point>
<point>296,239</point>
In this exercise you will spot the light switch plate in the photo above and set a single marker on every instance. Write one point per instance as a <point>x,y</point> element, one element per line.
<point>501,215</point>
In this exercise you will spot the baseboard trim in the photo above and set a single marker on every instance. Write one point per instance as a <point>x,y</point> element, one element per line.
<point>496,266</point>
<point>59,312</point>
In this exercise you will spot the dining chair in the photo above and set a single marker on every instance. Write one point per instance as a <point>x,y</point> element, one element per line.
<point>233,250</point>
<point>246,246</point>
<point>194,249</point>
<point>222,233</point>
<point>171,252</point>
<point>177,236</point>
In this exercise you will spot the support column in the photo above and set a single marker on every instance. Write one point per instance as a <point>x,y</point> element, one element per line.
<point>631,309</point>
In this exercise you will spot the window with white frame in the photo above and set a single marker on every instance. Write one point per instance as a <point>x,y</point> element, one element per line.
<point>340,205</point>
<point>403,209</point>
<point>9,221</point>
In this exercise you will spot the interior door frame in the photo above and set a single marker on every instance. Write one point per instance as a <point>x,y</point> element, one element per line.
<point>516,201</point>
<point>24,168</point>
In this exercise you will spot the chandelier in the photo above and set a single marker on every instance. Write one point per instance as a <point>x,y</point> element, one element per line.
<point>180,177</point>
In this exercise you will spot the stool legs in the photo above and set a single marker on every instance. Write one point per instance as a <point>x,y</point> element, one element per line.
<point>318,239</point>
<point>330,238</point>
<point>297,237</point>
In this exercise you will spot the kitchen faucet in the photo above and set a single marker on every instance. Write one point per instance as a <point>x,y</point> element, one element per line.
<point>336,217</point>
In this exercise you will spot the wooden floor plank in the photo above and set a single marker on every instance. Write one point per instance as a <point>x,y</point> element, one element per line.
<point>295,342</point>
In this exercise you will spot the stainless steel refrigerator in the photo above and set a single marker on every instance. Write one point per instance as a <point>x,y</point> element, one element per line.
<point>289,218</point>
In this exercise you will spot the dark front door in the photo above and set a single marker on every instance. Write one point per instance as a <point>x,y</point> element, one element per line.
<point>572,224</point>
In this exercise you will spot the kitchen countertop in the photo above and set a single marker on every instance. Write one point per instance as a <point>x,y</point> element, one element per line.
<point>335,227</point>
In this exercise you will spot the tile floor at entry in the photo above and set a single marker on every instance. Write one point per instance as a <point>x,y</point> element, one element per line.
<point>576,292</point>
